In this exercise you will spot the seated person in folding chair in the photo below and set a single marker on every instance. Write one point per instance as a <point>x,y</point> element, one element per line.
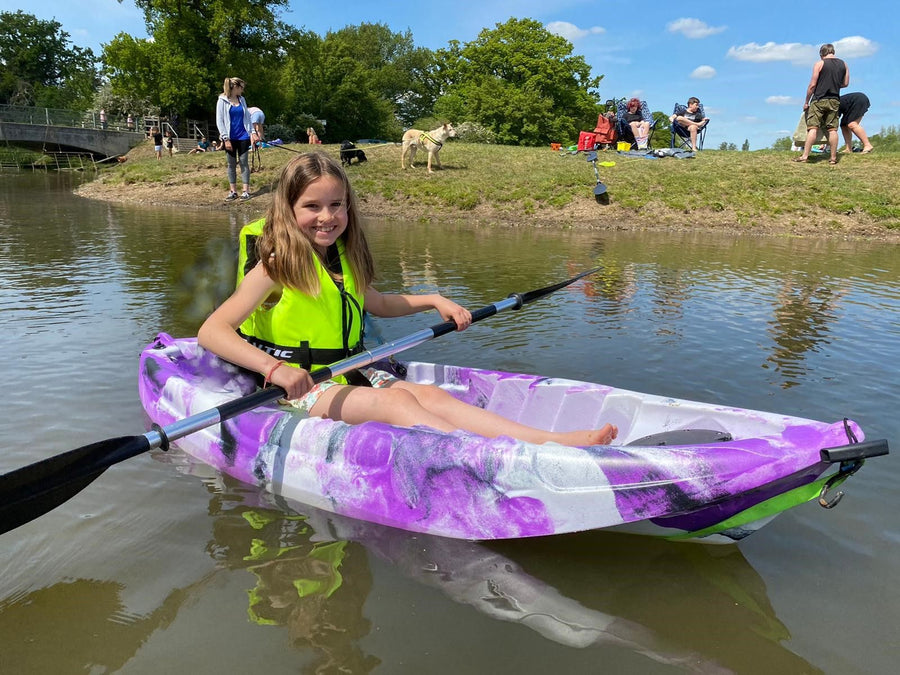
<point>688,122</point>
<point>635,119</point>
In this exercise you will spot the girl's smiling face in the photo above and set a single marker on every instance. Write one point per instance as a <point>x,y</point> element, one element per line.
<point>321,212</point>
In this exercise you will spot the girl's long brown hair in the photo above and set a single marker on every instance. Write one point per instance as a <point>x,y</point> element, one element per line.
<point>286,253</point>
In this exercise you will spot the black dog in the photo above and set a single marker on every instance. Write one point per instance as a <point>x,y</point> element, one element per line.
<point>349,152</point>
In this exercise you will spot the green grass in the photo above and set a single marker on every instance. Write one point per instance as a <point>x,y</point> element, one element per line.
<point>742,190</point>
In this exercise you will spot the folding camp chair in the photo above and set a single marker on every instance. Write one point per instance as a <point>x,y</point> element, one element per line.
<point>624,129</point>
<point>681,136</point>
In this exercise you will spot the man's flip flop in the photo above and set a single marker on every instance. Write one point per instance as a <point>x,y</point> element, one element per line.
<point>800,160</point>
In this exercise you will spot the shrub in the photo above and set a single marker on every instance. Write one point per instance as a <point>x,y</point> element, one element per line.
<point>472,132</point>
<point>281,131</point>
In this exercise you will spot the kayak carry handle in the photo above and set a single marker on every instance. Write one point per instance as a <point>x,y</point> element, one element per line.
<point>854,451</point>
<point>851,457</point>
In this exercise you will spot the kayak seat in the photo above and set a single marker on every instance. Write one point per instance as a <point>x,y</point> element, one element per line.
<point>684,437</point>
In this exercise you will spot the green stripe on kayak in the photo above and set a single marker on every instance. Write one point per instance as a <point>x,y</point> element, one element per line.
<point>770,507</point>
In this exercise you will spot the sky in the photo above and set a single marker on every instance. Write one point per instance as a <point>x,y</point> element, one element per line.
<point>749,65</point>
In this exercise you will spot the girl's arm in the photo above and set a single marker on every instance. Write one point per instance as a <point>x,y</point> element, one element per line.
<point>219,335</point>
<point>391,305</point>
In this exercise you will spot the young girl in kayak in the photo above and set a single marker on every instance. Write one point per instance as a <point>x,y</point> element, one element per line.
<point>304,300</point>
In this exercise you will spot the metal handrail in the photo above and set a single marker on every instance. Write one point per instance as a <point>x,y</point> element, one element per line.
<point>59,117</point>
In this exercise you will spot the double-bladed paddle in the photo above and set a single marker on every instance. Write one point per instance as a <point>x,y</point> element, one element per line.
<point>33,490</point>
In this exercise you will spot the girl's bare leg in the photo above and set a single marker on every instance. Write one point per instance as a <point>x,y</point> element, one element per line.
<point>408,404</point>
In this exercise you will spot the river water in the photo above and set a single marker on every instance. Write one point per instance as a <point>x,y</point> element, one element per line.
<point>163,566</point>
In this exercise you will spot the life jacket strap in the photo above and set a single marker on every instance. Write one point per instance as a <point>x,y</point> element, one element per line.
<point>303,355</point>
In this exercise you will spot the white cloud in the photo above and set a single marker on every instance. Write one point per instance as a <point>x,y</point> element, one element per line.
<point>801,54</point>
<point>854,47</point>
<point>703,73</point>
<point>572,32</point>
<point>783,100</point>
<point>694,29</point>
<point>771,52</point>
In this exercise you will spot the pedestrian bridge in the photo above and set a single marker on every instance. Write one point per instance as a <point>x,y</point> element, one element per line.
<point>64,131</point>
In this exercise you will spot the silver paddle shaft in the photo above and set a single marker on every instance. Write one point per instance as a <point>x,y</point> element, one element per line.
<point>160,436</point>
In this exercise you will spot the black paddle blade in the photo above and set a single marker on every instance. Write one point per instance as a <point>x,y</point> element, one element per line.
<point>33,490</point>
<point>531,296</point>
<point>599,189</point>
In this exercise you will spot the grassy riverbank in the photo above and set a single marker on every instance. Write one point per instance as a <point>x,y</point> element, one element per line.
<point>749,192</point>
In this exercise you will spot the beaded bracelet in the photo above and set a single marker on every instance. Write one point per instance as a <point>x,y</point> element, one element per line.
<point>271,372</point>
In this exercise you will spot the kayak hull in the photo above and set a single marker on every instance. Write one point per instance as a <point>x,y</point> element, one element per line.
<point>467,486</point>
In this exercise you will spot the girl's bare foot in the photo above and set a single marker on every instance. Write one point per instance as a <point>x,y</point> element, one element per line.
<point>579,439</point>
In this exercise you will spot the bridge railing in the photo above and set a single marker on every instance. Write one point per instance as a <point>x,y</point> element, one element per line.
<point>58,117</point>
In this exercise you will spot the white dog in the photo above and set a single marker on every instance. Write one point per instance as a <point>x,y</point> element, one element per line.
<point>430,141</point>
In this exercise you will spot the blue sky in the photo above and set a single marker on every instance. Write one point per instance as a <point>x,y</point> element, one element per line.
<point>750,65</point>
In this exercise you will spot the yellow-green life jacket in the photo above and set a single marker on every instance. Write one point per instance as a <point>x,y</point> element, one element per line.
<point>303,330</point>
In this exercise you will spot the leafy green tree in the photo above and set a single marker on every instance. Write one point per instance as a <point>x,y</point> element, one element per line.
<point>195,45</point>
<point>887,139</point>
<point>661,120</point>
<point>746,146</point>
<point>784,143</point>
<point>39,67</point>
<point>118,105</point>
<point>520,81</point>
<point>364,81</point>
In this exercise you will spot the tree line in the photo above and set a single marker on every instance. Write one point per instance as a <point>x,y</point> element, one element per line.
<point>516,83</point>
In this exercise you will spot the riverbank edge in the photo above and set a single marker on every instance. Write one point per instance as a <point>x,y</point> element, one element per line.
<point>576,216</point>
<point>188,192</point>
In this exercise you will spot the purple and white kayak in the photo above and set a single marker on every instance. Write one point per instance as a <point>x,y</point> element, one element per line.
<point>679,469</point>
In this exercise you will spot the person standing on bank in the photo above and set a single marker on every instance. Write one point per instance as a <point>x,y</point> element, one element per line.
<point>157,137</point>
<point>823,100</point>
<point>233,122</point>
<point>853,107</point>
